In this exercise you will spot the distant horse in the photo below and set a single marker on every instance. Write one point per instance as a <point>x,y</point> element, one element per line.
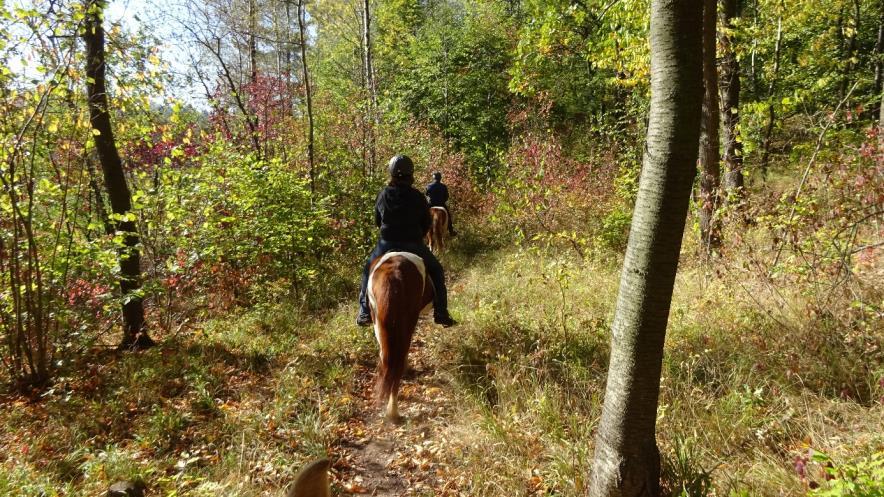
<point>398,290</point>
<point>438,229</point>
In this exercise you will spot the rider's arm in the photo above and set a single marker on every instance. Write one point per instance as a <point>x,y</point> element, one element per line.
<point>425,218</point>
<point>377,211</point>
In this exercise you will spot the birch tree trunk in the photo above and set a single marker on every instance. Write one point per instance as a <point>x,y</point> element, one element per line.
<point>134,329</point>
<point>627,461</point>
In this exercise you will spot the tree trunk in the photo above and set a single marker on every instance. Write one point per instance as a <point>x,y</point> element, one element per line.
<point>134,329</point>
<point>881,119</point>
<point>253,45</point>
<point>368,78</point>
<point>771,88</point>
<point>879,63</point>
<point>627,461</point>
<point>730,104</point>
<point>851,38</point>
<point>710,170</point>
<point>309,94</point>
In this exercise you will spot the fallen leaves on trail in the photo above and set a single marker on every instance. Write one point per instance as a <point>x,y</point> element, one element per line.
<point>373,457</point>
<point>356,488</point>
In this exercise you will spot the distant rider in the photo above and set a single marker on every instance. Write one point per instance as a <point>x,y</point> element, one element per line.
<point>437,194</point>
<point>403,216</point>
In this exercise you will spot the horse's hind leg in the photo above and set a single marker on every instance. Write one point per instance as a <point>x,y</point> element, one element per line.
<point>393,407</point>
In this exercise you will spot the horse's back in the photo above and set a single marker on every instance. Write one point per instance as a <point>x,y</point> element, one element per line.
<point>439,212</point>
<point>397,279</point>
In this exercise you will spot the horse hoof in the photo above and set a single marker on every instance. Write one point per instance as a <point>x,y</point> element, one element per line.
<point>394,419</point>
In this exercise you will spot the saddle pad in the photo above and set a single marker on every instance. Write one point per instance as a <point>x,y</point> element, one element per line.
<point>413,258</point>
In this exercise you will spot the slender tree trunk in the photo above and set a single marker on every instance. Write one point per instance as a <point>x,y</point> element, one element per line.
<point>134,328</point>
<point>881,119</point>
<point>771,88</point>
<point>710,170</point>
<point>753,72</point>
<point>730,104</point>
<point>627,461</point>
<point>307,90</point>
<point>368,78</point>
<point>253,45</point>
<point>879,62</point>
<point>289,56</point>
<point>851,38</point>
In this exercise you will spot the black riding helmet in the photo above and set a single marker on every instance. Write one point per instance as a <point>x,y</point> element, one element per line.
<point>401,167</point>
<point>437,176</point>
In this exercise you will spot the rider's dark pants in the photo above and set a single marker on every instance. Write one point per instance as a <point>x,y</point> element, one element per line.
<point>450,218</point>
<point>434,270</point>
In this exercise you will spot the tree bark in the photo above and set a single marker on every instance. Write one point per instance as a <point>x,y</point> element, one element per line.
<point>253,45</point>
<point>627,461</point>
<point>851,38</point>
<point>309,94</point>
<point>879,63</point>
<point>368,77</point>
<point>734,181</point>
<point>710,170</point>
<point>134,328</point>
<point>771,88</point>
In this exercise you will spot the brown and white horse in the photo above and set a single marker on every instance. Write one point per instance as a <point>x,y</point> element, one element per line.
<point>398,290</point>
<point>438,229</point>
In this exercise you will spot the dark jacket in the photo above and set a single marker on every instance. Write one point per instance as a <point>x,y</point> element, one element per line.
<point>402,214</point>
<point>438,193</point>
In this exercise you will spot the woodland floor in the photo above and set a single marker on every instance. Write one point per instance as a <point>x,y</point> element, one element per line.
<point>503,404</point>
<point>375,457</point>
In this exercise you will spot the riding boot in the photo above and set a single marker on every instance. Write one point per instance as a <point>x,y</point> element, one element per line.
<point>440,295</point>
<point>451,231</point>
<point>364,318</point>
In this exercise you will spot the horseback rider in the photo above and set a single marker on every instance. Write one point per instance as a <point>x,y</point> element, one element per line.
<point>437,193</point>
<point>403,216</point>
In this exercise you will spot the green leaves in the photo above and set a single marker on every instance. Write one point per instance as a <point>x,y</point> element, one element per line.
<point>861,478</point>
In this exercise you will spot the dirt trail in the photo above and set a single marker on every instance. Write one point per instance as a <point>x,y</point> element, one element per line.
<point>372,457</point>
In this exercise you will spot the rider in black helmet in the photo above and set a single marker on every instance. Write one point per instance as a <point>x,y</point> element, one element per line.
<point>437,193</point>
<point>403,216</point>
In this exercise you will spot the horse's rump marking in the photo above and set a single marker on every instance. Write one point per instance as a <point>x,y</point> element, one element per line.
<point>413,258</point>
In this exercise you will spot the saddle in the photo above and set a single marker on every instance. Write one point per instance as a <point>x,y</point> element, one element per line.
<point>413,258</point>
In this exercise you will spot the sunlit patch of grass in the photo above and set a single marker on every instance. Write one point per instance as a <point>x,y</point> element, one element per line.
<point>746,386</point>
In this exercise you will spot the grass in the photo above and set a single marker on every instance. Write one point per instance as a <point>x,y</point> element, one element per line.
<point>752,382</point>
<point>746,388</point>
<point>235,408</point>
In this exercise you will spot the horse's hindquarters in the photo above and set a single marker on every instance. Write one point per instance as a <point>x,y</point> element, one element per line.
<point>438,228</point>
<point>398,291</point>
